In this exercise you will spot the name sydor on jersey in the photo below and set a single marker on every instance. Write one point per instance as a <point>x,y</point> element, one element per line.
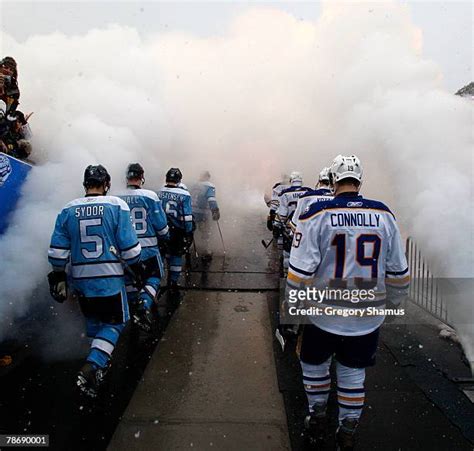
<point>86,231</point>
<point>354,243</point>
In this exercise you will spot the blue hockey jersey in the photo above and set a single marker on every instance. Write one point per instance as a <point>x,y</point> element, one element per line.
<point>87,232</point>
<point>177,205</point>
<point>148,218</point>
<point>204,198</point>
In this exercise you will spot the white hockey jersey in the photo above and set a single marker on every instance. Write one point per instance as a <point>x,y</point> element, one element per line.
<point>308,198</point>
<point>288,201</point>
<point>347,244</point>
<point>278,188</point>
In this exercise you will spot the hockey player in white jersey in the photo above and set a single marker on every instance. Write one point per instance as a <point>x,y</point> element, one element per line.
<point>151,225</point>
<point>93,237</point>
<point>288,200</point>
<point>277,189</point>
<point>348,243</point>
<point>323,191</point>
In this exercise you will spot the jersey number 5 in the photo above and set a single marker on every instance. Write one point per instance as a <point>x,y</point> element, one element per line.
<point>95,239</point>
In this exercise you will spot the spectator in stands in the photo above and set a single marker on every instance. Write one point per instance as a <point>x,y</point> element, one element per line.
<point>18,135</point>
<point>9,91</point>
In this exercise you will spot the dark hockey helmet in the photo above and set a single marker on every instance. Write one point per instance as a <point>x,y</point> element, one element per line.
<point>96,176</point>
<point>135,171</point>
<point>174,175</point>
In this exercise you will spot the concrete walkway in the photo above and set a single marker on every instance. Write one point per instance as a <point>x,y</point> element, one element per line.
<point>211,383</point>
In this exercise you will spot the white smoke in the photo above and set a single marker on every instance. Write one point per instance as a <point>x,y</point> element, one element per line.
<point>272,94</point>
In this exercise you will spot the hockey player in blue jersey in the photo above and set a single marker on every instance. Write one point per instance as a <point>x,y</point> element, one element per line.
<point>351,245</point>
<point>151,225</point>
<point>177,205</point>
<point>93,235</point>
<point>205,207</point>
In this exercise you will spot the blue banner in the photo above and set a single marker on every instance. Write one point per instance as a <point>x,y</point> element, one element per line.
<point>13,174</point>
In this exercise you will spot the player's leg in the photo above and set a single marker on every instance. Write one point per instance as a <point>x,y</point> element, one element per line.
<point>106,319</point>
<point>206,237</point>
<point>353,356</point>
<point>175,267</point>
<point>142,316</point>
<point>317,347</point>
<point>132,296</point>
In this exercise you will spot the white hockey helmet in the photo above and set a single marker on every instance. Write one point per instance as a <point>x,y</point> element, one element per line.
<point>344,167</point>
<point>324,175</point>
<point>296,176</point>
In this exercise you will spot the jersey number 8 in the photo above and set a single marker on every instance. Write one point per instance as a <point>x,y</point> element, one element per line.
<point>139,220</point>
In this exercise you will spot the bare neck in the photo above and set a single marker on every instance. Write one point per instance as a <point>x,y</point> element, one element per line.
<point>98,191</point>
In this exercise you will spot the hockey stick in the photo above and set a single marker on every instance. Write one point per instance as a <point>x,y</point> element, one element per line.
<point>195,250</point>
<point>129,270</point>
<point>266,245</point>
<point>222,239</point>
<point>280,339</point>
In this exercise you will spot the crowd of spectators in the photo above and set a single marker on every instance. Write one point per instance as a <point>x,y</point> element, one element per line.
<point>15,133</point>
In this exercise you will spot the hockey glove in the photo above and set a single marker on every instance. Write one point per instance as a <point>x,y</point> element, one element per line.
<point>277,229</point>
<point>216,214</point>
<point>58,285</point>
<point>270,220</point>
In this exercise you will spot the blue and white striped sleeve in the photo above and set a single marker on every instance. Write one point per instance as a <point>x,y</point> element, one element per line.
<point>59,251</point>
<point>211,198</point>
<point>188,214</point>
<point>160,222</point>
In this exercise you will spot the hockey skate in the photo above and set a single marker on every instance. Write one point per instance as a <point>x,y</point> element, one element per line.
<point>90,378</point>
<point>345,434</point>
<point>142,317</point>
<point>316,425</point>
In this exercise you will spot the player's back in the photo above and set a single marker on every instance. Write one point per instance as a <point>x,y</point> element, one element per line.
<point>177,205</point>
<point>352,243</point>
<point>357,239</point>
<point>148,218</point>
<point>289,200</point>
<point>308,198</point>
<point>202,193</point>
<point>93,228</point>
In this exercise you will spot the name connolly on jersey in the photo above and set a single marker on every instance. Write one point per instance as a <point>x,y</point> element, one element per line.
<point>355,219</point>
<point>90,210</point>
